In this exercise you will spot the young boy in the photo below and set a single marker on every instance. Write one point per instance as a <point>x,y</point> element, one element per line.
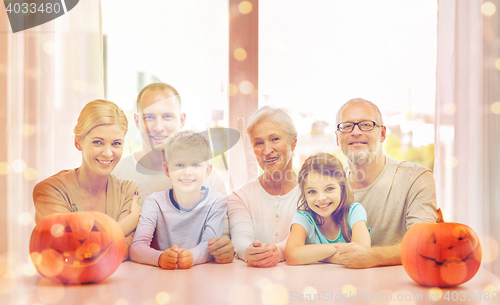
<point>176,224</point>
<point>158,116</point>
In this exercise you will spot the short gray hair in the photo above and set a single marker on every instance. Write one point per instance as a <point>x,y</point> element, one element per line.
<point>276,115</point>
<point>359,100</point>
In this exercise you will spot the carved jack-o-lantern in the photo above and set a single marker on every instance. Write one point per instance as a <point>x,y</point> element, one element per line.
<point>442,254</point>
<point>79,247</point>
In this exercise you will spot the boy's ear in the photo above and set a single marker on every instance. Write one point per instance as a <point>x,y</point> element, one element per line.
<point>165,169</point>
<point>208,171</point>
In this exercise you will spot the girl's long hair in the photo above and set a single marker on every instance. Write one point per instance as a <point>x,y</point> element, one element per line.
<point>329,165</point>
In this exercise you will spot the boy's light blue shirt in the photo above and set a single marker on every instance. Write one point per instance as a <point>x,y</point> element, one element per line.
<point>163,224</point>
<point>313,232</point>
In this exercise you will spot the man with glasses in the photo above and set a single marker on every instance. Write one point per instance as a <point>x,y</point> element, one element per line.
<point>395,194</point>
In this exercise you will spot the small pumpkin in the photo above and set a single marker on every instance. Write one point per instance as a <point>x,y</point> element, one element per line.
<point>77,248</point>
<point>442,254</point>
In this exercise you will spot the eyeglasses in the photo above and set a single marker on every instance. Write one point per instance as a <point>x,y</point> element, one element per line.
<point>363,126</point>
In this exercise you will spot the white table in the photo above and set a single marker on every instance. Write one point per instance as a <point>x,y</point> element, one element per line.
<point>236,283</point>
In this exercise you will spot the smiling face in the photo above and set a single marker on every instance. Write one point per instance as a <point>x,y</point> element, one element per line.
<point>101,148</point>
<point>361,146</point>
<point>322,193</point>
<point>187,171</point>
<point>272,147</point>
<point>159,117</point>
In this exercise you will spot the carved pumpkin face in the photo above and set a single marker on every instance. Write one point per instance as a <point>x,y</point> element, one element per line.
<point>79,247</point>
<point>441,254</point>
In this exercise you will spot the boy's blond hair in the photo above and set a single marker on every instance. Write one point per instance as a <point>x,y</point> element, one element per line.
<point>189,143</point>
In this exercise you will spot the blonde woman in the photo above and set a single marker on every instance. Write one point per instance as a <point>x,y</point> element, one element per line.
<point>99,135</point>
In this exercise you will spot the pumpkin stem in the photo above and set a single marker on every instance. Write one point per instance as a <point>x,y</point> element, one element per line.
<point>440,216</point>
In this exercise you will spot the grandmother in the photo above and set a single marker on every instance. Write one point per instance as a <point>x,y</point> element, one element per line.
<point>261,210</point>
<point>99,135</point>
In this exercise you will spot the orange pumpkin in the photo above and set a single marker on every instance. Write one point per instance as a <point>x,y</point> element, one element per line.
<point>76,248</point>
<point>442,254</point>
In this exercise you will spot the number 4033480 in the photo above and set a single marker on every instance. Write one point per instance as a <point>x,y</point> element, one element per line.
<point>31,8</point>
<point>471,296</point>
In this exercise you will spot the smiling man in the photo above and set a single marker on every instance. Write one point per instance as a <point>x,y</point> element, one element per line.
<point>395,194</point>
<point>158,116</point>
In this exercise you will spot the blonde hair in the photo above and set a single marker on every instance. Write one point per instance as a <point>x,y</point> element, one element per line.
<point>329,165</point>
<point>156,87</point>
<point>189,143</point>
<point>276,115</point>
<point>97,113</point>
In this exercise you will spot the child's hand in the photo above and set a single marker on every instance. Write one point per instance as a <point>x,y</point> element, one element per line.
<point>169,258</point>
<point>185,260</point>
<point>135,207</point>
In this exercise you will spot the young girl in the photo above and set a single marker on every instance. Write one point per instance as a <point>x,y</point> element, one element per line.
<point>326,214</point>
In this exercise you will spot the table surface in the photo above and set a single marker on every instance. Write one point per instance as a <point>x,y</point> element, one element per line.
<point>237,283</point>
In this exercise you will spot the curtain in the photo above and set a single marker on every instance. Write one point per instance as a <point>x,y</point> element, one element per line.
<point>47,74</point>
<point>467,119</point>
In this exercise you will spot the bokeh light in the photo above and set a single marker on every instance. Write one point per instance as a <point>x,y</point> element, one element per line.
<point>28,130</point>
<point>491,289</point>
<point>25,218</point>
<point>49,47</point>
<point>497,64</point>
<point>309,290</point>
<point>57,230</point>
<point>264,283</point>
<point>241,294</point>
<point>36,258</point>
<point>488,9</point>
<point>349,290</point>
<point>450,162</point>
<point>240,54</point>
<point>275,294</point>
<point>29,269</point>
<point>245,7</point>
<point>7,281</point>
<point>495,107</point>
<point>233,89</point>
<point>278,274</point>
<point>449,109</point>
<point>490,249</point>
<point>30,174</point>
<point>51,263</point>
<point>122,301</point>
<point>4,168</point>
<point>246,87</point>
<point>162,298</point>
<point>18,166</point>
<point>79,85</point>
<point>453,272</point>
<point>435,294</point>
